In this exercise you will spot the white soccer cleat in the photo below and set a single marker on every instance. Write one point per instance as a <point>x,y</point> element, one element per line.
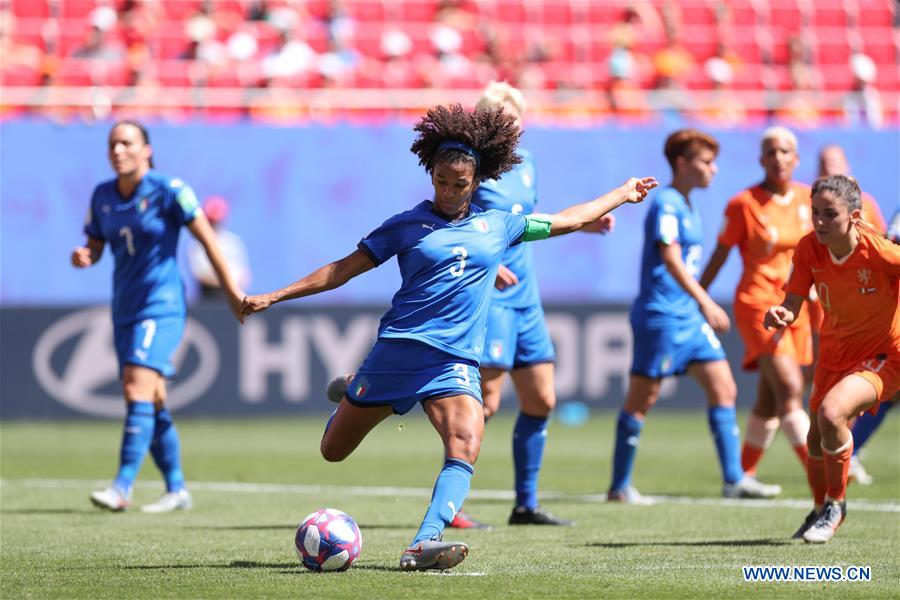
<point>858,472</point>
<point>170,502</point>
<point>829,519</point>
<point>110,499</point>
<point>750,487</point>
<point>629,495</point>
<point>433,554</point>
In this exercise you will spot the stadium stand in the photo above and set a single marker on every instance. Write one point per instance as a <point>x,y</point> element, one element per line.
<point>554,49</point>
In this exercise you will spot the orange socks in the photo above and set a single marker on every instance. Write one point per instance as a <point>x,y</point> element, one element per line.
<point>760,433</point>
<point>815,474</point>
<point>837,466</point>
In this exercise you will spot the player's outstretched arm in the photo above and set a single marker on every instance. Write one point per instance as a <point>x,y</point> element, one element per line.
<point>329,277</point>
<point>581,215</point>
<point>783,315</point>
<point>87,255</point>
<point>206,236</point>
<point>714,314</point>
<point>718,258</point>
<point>603,225</point>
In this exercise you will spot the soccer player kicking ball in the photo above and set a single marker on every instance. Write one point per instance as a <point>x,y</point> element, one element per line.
<point>430,342</point>
<point>855,271</point>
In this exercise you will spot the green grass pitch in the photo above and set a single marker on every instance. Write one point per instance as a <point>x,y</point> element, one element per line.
<point>238,541</point>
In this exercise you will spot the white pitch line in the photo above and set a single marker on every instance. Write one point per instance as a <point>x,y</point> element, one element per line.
<point>394,492</point>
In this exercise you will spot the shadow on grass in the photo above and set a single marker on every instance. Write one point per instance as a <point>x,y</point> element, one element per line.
<point>282,527</point>
<point>237,564</point>
<point>285,527</point>
<point>723,543</point>
<point>52,511</point>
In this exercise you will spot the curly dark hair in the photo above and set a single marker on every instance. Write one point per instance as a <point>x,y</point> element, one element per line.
<point>491,132</point>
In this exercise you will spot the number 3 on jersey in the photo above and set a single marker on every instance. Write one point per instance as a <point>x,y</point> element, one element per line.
<point>459,268</point>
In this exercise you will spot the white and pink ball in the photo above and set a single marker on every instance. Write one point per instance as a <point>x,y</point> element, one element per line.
<point>328,540</point>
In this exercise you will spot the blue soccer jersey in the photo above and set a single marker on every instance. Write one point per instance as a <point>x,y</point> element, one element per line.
<point>447,271</point>
<point>662,302</point>
<point>515,192</point>
<point>142,233</point>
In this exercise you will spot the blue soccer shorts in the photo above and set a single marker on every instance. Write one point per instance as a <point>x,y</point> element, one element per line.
<point>401,373</point>
<point>516,337</point>
<point>670,351</point>
<point>149,343</point>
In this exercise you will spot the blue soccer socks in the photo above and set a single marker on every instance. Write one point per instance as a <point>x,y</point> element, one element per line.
<point>866,425</point>
<point>529,439</point>
<point>450,491</point>
<point>726,434</point>
<point>628,435</point>
<point>166,450</point>
<point>136,439</point>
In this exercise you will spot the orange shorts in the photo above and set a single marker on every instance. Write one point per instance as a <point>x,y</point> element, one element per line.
<point>795,340</point>
<point>882,373</point>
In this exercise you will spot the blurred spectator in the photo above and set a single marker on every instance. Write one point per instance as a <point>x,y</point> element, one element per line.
<point>724,108</point>
<point>640,20</point>
<point>863,106</point>
<point>800,106</point>
<point>624,96</point>
<point>338,64</point>
<point>340,24</point>
<point>98,45</point>
<point>801,66</point>
<point>833,161</point>
<point>14,52</point>
<point>235,252</point>
<point>290,58</point>
<point>139,21</point>
<point>257,10</point>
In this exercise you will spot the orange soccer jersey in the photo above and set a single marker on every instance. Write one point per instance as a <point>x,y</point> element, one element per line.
<point>861,330</point>
<point>871,214</point>
<point>766,229</point>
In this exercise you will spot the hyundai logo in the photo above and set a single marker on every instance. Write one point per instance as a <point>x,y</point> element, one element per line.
<point>93,366</point>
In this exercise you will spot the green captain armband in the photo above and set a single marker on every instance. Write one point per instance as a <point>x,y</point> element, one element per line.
<point>188,200</point>
<point>537,227</point>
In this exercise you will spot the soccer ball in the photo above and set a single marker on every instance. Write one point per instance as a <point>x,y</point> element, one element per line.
<point>328,540</point>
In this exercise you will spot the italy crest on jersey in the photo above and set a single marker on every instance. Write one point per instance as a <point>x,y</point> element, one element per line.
<point>481,225</point>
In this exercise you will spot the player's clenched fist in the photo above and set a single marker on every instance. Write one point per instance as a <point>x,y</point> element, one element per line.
<point>778,317</point>
<point>81,257</point>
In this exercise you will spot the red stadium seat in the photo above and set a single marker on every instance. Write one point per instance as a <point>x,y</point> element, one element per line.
<point>826,14</point>
<point>30,9</point>
<point>414,11</point>
<point>175,73</point>
<point>875,13</point>
<point>560,12</point>
<point>833,49</point>
<point>785,14</point>
<point>179,10</point>
<point>604,14</point>
<point>367,11</point>
<point>20,76</point>
<point>76,9</point>
<point>879,44</point>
